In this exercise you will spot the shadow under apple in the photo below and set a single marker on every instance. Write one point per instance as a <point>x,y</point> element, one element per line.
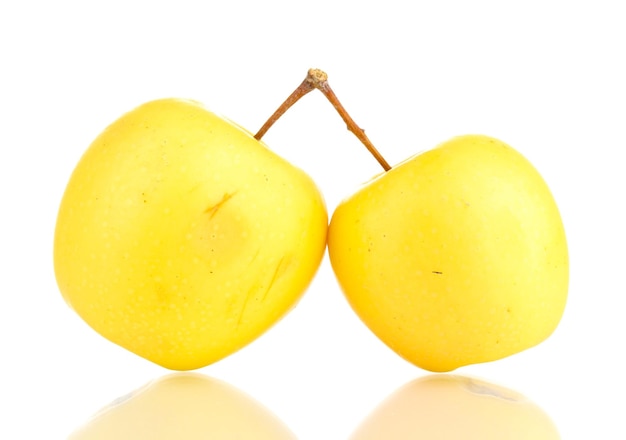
<point>184,405</point>
<point>444,406</point>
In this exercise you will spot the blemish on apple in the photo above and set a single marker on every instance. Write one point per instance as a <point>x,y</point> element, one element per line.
<point>214,208</point>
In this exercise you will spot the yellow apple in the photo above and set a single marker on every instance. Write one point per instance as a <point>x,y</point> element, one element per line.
<point>455,256</point>
<point>184,405</point>
<point>448,407</point>
<point>182,238</point>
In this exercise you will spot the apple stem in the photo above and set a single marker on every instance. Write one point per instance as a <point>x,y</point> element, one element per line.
<point>317,79</point>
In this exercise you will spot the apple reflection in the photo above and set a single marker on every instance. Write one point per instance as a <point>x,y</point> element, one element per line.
<point>443,407</point>
<point>184,405</point>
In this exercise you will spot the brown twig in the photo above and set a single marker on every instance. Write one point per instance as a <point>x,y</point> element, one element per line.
<point>317,79</point>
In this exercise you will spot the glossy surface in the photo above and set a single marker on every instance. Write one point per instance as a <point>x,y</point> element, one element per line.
<point>450,407</point>
<point>184,405</point>
<point>454,257</point>
<point>182,238</point>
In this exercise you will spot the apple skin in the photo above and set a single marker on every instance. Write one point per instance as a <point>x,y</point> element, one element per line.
<point>182,238</point>
<point>456,256</point>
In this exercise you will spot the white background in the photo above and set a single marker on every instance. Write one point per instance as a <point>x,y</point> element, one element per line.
<point>547,77</point>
